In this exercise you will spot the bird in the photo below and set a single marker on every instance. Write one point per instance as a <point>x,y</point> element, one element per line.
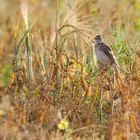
<point>103,54</point>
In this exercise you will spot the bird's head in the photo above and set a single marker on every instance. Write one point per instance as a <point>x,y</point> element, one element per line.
<point>98,39</point>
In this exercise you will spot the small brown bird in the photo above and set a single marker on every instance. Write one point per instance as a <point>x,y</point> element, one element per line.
<point>103,54</point>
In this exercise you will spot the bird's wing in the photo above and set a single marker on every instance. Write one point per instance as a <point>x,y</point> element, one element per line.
<point>107,51</point>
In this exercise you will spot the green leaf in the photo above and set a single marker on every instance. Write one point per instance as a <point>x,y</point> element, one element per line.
<point>52,93</point>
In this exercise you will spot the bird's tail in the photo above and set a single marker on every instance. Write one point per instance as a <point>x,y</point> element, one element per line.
<point>118,75</point>
<point>117,68</point>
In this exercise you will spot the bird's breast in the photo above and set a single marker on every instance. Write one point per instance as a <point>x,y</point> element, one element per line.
<point>101,56</point>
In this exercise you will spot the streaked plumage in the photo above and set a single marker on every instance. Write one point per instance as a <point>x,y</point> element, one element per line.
<point>103,53</point>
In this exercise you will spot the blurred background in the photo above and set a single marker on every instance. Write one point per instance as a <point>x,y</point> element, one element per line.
<point>106,16</point>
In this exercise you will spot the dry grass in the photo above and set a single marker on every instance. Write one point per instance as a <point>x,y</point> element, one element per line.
<point>51,88</point>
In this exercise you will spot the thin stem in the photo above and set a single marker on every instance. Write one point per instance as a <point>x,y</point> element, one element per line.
<point>29,60</point>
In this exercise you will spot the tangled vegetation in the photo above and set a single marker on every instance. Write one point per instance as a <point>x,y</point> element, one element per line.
<point>50,86</point>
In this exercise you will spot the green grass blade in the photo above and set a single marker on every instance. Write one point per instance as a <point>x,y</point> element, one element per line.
<point>19,45</point>
<point>29,60</point>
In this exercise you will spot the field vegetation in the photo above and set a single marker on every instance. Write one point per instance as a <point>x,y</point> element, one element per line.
<point>50,86</point>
